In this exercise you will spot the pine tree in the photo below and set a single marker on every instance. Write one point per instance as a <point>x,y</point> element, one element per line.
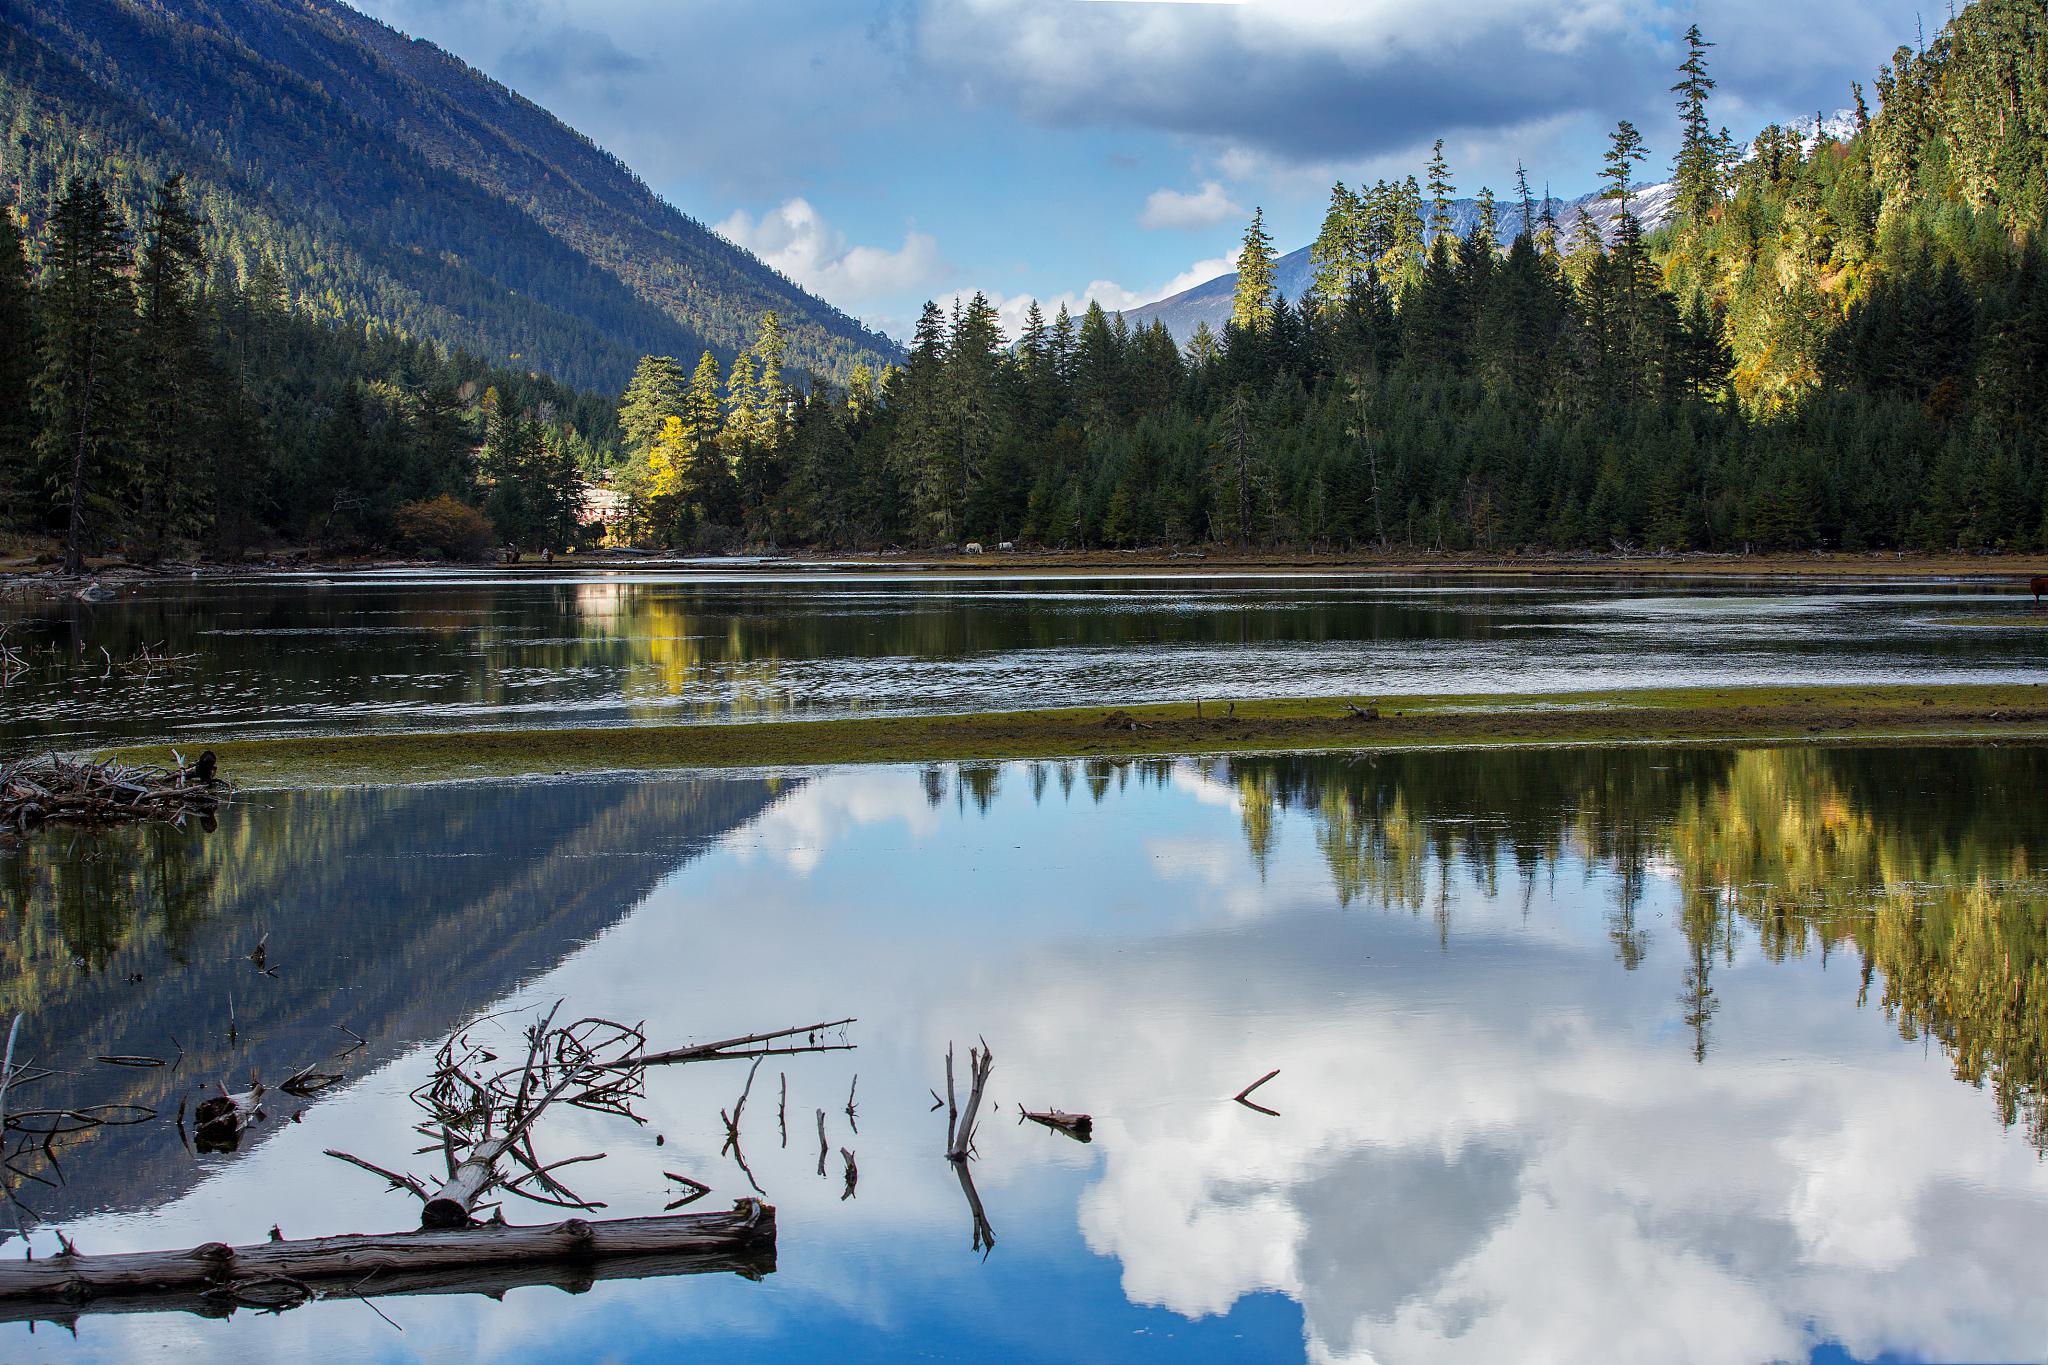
<point>653,395</point>
<point>1697,168</point>
<point>1338,254</point>
<point>82,392</point>
<point>1440,191</point>
<point>922,448</point>
<point>1624,151</point>
<point>1489,219</point>
<point>1254,296</point>
<point>176,374</point>
<point>17,369</point>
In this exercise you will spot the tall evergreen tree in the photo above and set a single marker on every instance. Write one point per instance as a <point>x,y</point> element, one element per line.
<point>176,375</point>
<point>1697,167</point>
<point>653,395</point>
<point>18,494</point>
<point>1440,192</point>
<point>83,390</point>
<point>1255,264</point>
<point>1339,254</point>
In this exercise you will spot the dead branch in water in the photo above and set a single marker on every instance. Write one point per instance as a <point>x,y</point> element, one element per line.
<point>481,1119</point>
<point>732,1130</point>
<point>1243,1096</point>
<point>54,789</point>
<point>751,1045</point>
<point>214,1279</point>
<point>984,1234</point>
<point>697,1190</point>
<point>1079,1127</point>
<point>960,1122</point>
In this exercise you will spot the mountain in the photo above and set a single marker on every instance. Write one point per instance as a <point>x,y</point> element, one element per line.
<point>387,181</point>
<point>1293,273</point>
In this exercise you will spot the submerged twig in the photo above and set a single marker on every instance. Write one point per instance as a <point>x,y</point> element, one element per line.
<point>1243,1096</point>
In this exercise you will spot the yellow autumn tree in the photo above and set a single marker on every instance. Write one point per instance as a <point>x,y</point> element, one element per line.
<point>668,459</point>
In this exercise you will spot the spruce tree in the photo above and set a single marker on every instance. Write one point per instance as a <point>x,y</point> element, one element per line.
<point>1440,191</point>
<point>176,373</point>
<point>1697,168</point>
<point>83,388</point>
<point>1254,295</point>
<point>1337,255</point>
<point>653,395</point>
<point>18,497</point>
<point>1527,227</point>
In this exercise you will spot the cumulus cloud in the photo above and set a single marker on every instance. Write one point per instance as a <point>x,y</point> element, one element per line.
<point>1205,207</point>
<point>796,239</point>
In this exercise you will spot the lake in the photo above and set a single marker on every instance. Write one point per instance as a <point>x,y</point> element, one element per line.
<point>316,654</point>
<point>1702,1055</point>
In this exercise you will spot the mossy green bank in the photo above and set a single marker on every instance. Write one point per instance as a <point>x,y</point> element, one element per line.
<point>1854,714</point>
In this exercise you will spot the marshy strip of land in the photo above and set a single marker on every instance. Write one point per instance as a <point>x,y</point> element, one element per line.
<point>1836,714</point>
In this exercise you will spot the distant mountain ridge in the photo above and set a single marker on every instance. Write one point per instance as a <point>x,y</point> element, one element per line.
<point>389,182</point>
<point>1293,273</point>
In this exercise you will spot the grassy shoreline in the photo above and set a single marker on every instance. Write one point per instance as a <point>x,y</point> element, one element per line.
<point>1718,715</point>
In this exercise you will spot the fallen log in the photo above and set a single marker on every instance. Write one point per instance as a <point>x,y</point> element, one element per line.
<point>1079,1127</point>
<point>213,1279</point>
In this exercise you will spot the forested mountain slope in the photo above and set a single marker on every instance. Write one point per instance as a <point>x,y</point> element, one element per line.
<point>386,181</point>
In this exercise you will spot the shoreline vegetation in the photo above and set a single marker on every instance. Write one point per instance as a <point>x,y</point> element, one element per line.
<point>1838,714</point>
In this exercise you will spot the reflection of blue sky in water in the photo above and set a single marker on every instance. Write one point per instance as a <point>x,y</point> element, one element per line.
<point>1494,1149</point>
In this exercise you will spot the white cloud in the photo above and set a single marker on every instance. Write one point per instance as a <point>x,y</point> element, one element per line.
<point>797,240</point>
<point>1165,208</point>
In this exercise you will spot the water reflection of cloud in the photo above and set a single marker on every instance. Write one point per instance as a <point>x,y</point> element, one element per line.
<point>1497,1150</point>
<point>798,829</point>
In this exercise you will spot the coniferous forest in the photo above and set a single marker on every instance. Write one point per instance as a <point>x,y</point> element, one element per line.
<point>1829,344</point>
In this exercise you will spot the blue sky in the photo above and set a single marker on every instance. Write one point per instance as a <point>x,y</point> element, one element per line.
<point>887,151</point>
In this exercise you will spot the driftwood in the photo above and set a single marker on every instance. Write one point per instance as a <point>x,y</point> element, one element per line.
<point>219,1122</point>
<point>1079,1127</point>
<point>960,1122</point>
<point>481,1121</point>
<point>752,1045</point>
<point>1244,1098</point>
<point>1357,712</point>
<point>215,1279</point>
<point>53,789</point>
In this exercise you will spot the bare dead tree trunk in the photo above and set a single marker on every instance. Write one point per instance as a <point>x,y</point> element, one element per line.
<point>436,1260</point>
<point>960,1129</point>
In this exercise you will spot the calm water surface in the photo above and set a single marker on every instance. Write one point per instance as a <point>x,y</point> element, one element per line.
<point>1703,1056</point>
<point>420,650</point>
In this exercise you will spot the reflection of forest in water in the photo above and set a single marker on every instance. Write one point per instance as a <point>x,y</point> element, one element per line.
<point>387,914</point>
<point>397,912</point>
<point>385,651</point>
<point>1920,862</point>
